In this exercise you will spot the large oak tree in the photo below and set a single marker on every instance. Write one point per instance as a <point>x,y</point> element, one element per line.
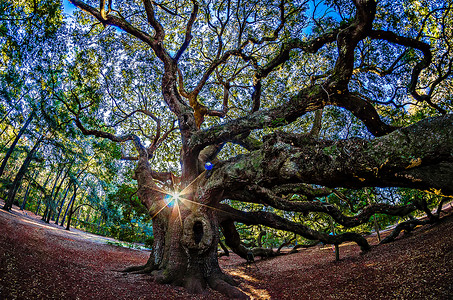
<point>250,74</point>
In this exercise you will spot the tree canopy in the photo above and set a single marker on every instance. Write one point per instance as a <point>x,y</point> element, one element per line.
<point>299,116</point>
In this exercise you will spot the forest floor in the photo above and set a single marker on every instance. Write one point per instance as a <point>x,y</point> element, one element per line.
<point>42,261</point>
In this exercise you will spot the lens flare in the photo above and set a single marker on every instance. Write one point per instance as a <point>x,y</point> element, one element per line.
<point>171,199</point>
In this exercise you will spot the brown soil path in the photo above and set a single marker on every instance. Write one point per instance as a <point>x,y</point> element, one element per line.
<point>38,261</point>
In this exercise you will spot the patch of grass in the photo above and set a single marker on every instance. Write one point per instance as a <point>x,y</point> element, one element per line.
<point>123,244</point>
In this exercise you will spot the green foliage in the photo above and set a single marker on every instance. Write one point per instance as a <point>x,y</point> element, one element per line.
<point>127,219</point>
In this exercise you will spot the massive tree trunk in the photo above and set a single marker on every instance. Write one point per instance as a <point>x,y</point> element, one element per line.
<point>186,220</point>
<point>186,234</point>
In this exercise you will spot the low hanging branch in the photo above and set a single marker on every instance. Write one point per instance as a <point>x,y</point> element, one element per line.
<point>407,226</point>
<point>410,225</point>
<point>266,197</point>
<point>228,214</point>
<point>233,240</point>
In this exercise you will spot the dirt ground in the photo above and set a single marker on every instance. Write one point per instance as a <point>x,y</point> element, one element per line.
<point>38,261</point>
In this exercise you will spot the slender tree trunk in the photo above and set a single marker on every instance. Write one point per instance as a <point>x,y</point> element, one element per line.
<point>47,208</point>
<point>87,218</point>
<point>99,222</point>
<point>68,224</point>
<point>78,217</point>
<point>6,115</point>
<point>24,202</point>
<point>260,238</point>
<point>3,131</point>
<point>55,199</point>
<point>69,209</point>
<point>20,174</point>
<point>49,203</point>
<point>376,228</point>
<point>375,222</point>
<point>62,203</point>
<point>69,205</point>
<point>337,248</point>
<point>44,192</point>
<point>46,211</point>
<point>13,145</point>
<point>50,212</point>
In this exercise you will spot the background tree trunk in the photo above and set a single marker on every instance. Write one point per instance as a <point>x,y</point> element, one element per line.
<point>20,174</point>
<point>24,201</point>
<point>70,204</point>
<point>43,190</point>
<point>61,204</point>
<point>13,145</point>
<point>55,197</point>
<point>50,201</point>
<point>337,248</point>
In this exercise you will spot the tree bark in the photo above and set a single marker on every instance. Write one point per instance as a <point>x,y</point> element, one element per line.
<point>186,235</point>
<point>417,156</point>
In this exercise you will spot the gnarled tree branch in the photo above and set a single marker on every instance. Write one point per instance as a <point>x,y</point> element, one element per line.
<point>274,221</point>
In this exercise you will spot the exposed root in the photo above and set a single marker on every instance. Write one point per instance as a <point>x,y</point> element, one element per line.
<point>160,277</point>
<point>227,289</point>
<point>142,269</point>
<point>133,269</point>
<point>264,252</point>
<point>146,270</point>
